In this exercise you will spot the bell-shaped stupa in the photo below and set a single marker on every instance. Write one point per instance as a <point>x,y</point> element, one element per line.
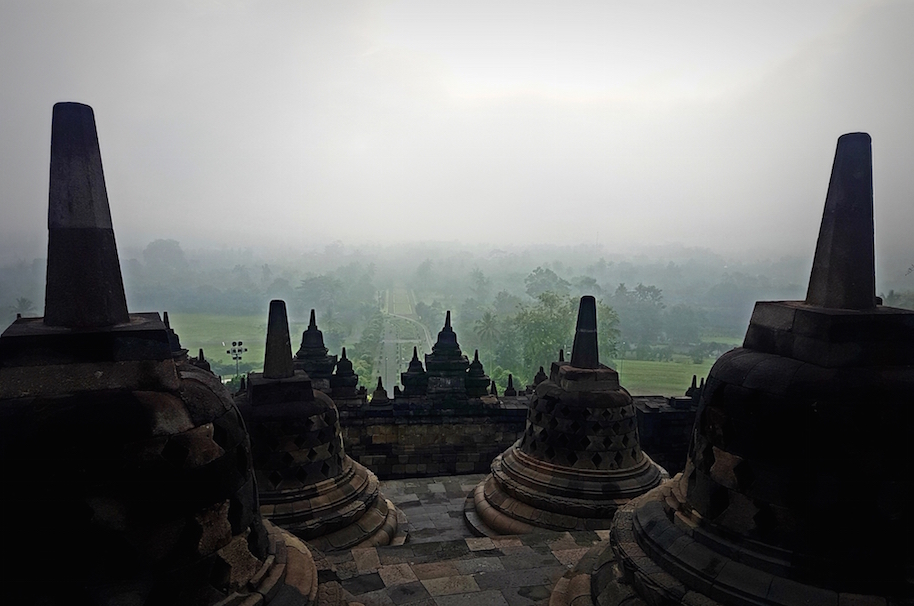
<point>306,481</point>
<point>128,470</point>
<point>579,458</point>
<point>798,486</point>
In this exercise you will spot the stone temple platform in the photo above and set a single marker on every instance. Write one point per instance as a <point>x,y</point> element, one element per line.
<point>444,564</point>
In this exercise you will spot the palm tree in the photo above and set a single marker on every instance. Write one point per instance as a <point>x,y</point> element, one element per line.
<point>487,328</point>
<point>22,306</point>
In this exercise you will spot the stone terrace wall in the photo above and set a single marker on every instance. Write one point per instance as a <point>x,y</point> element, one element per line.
<point>398,443</point>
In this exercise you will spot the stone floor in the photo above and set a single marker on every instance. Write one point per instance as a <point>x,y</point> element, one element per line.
<point>443,564</point>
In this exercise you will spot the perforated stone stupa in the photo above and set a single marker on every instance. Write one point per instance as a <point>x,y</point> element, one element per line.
<point>798,485</point>
<point>307,483</point>
<point>312,357</point>
<point>128,472</point>
<point>579,458</point>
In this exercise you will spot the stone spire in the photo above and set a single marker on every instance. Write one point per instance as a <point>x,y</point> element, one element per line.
<point>509,390</point>
<point>477,382</point>
<point>843,270</point>
<point>379,397</point>
<point>415,379</point>
<point>312,357</point>
<point>447,338</point>
<point>561,355</point>
<point>494,390</point>
<point>540,376</point>
<point>277,361</point>
<point>584,352</point>
<point>312,338</point>
<point>84,285</point>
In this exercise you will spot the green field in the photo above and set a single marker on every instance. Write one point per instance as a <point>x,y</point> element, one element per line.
<point>645,378</point>
<point>210,331</point>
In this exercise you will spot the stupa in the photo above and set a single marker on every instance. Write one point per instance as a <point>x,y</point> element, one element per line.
<point>312,357</point>
<point>128,471</point>
<point>447,369</point>
<point>477,381</point>
<point>579,458</point>
<point>307,483</point>
<point>798,486</point>
<point>344,385</point>
<point>415,379</point>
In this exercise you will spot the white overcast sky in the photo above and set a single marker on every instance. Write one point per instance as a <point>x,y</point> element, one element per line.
<point>298,123</point>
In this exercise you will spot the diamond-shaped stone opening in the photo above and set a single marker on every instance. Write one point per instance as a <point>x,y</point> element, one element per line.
<point>607,443</point>
<point>275,478</point>
<point>542,435</point>
<point>550,452</point>
<point>625,440</point>
<point>533,445</point>
<point>300,441</point>
<point>309,423</point>
<point>322,436</point>
<point>634,454</point>
<point>530,429</point>
<point>596,427</point>
<point>619,458</point>
<point>574,427</point>
<point>287,460</point>
<point>312,454</point>
<point>616,428</point>
<point>572,458</point>
<point>562,440</point>
<point>606,414</point>
<point>564,411</point>
<point>553,423</point>
<point>220,436</point>
<point>325,469</point>
<point>329,418</point>
<point>596,460</point>
<point>331,448</point>
<point>271,442</point>
<point>175,453</point>
<point>550,406</point>
<point>744,475</point>
<point>538,418</point>
<point>302,476</point>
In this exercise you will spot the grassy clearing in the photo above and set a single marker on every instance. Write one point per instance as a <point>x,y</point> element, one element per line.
<point>210,331</point>
<point>642,377</point>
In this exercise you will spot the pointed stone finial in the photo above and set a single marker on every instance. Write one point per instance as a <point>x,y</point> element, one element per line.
<point>540,376</point>
<point>312,323</point>
<point>343,355</point>
<point>476,356</point>
<point>447,320</point>
<point>380,384</point>
<point>694,382</point>
<point>843,270</point>
<point>494,390</point>
<point>415,353</point>
<point>584,351</point>
<point>277,361</point>
<point>165,319</point>
<point>561,355</point>
<point>84,285</point>
<point>200,357</point>
<point>509,390</point>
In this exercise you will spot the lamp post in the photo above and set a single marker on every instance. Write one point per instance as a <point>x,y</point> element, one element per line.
<point>236,351</point>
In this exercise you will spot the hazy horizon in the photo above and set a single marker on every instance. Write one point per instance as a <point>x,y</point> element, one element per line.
<point>288,125</point>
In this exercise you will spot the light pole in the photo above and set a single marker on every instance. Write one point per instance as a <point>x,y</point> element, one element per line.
<point>236,352</point>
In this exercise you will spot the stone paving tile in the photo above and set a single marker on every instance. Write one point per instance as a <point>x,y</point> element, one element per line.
<point>570,557</point>
<point>434,570</point>
<point>451,585</point>
<point>363,583</point>
<point>480,543</point>
<point>483,598</point>
<point>366,559</point>
<point>526,596</point>
<point>474,565</point>
<point>522,561</point>
<point>379,597</point>
<point>409,593</point>
<point>396,574</point>
<point>517,578</point>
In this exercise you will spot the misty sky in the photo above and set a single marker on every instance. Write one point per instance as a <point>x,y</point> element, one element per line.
<point>291,123</point>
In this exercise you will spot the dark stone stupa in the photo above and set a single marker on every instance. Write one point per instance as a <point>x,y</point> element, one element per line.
<point>131,468</point>
<point>798,486</point>
<point>579,458</point>
<point>312,357</point>
<point>306,481</point>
